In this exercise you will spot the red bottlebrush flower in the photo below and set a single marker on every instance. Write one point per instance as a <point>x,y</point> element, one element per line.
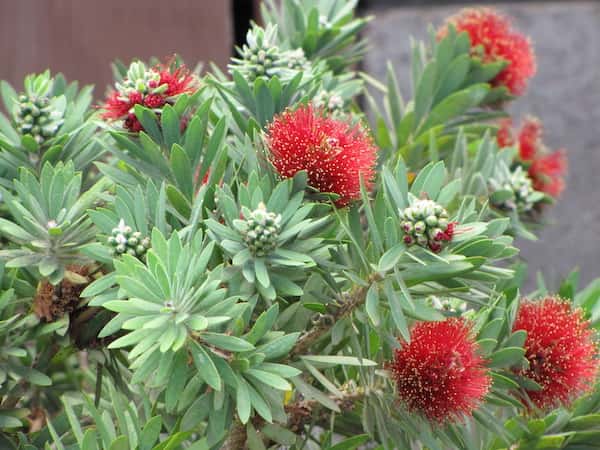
<point>504,136</point>
<point>440,374</point>
<point>494,39</point>
<point>334,153</point>
<point>154,101</point>
<point>547,172</point>
<point>153,88</point>
<point>562,354</point>
<point>530,138</point>
<point>449,233</point>
<point>178,81</point>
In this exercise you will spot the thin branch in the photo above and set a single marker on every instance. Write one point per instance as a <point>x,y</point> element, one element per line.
<point>346,303</point>
<point>303,412</point>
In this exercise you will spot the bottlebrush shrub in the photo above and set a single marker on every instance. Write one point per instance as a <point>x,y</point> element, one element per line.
<point>260,263</point>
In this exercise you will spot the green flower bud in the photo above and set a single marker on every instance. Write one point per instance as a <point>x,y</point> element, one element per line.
<point>420,227</point>
<point>262,231</point>
<point>431,221</point>
<point>422,240</point>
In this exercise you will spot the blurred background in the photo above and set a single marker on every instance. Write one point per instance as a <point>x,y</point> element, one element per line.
<point>81,37</point>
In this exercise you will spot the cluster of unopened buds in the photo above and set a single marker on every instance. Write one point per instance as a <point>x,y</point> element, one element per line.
<point>523,196</point>
<point>330,101</point>
<point>35,116</point>
<point>142,80</point>
<point>450,304</point>
<point>426,223</point>
<point>260,61</point>
<point>124,240</point>
<point>261,230</point>
<point>296,59</point>
<point>142,85</point>
<point>261,57</point>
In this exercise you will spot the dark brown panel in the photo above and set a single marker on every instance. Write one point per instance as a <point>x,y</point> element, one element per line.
<point>81,37</point>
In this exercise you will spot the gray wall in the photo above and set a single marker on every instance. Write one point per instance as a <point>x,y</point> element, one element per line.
<point>565,94</point>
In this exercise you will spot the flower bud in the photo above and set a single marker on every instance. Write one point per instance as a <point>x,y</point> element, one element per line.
<point>262,231</point>
<point>124,240</point>
<point>420,227</point>
<point>426,223</point>
<point>431,221</point>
